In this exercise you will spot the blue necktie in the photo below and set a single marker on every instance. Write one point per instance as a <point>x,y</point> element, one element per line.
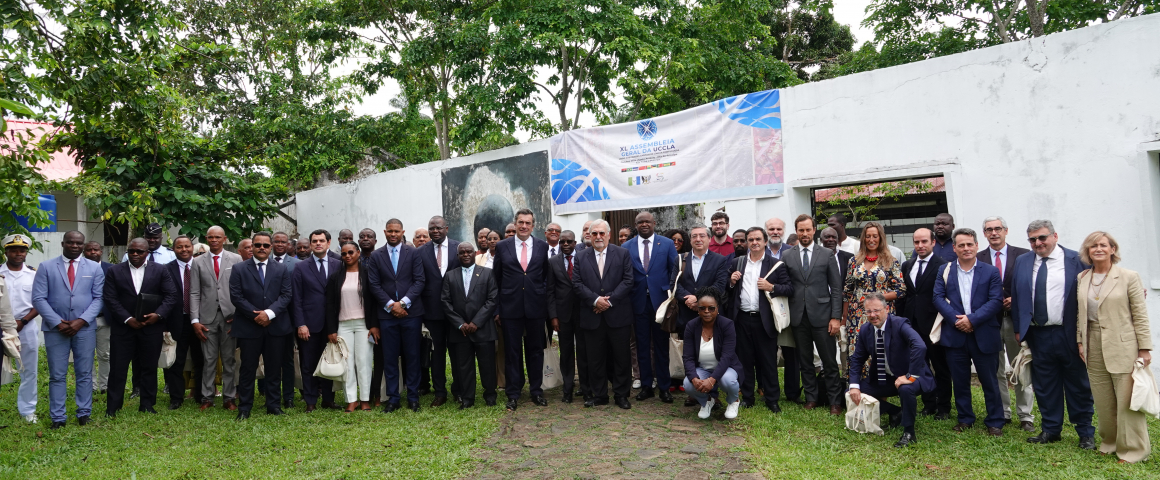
<point>880,346</point>
<point>1039,313</point>
<point>395,259</point>
<point>262,272</point>
<point>321,270</point>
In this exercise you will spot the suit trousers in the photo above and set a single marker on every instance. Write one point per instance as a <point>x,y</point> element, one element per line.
<point>939,399</point>
<point>288,352</point>
<point>29,364</point>
<point>266,346</point>
<point>827,346</point>
<point>101,372</point>
<point>959,359</point>
<point>1058,373</point>
<point>433,356</point>
<point>1122,430</point>
<point>465,358</point>
<point>758,354</point>
<point>652,349</point>
<point>309,354</point>
<point>907,396</point>
<point>573,357</point>
<point>1024,394</point>
<point>400,338</point>
<point>377,370</point>
<point>608,347</point>
<point>524,339</point>
<point>187,343</point>
<point>219,343</point>
<point>142,349</point>
<point>792,377</point>
<point>57,349</point>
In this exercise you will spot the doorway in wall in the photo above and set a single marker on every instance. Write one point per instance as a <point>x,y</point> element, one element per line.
<point>901,206</point>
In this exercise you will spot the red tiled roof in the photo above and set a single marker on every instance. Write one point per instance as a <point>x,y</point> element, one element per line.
<point>63,165</point>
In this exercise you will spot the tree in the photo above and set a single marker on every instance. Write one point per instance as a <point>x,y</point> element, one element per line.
<point>806,34</point>
<point>20,180</point>
<point>859,202</point>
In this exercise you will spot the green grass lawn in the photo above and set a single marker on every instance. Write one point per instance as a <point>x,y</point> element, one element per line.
<point>814,444</point>
<point>187,443</point>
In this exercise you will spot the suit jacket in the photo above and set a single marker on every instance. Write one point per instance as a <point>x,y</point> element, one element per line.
<point>918,303</point>
<point>714,272</point>
<point>387,285</point>
<point>724,348</point>
<point>781,288</point>
<point>986,307</point>
<point>334,300</point>
<point>905,353</point>
<point>249,293</point>
<point>210,292</point>
<point>309,306</point>
<point>55,301</point>
<point>121,297</point>
<point>817,293</point>
<point>1123,316</point>
<point>522,294</point>
<point>433,286</point>
<point>1022,289</point>
<point>175,276</point>
<point>476,307</point>
<point>1013,253</point>
<point>780,251</point>
<point>844,264</point>
<point>615,284</point>
<point>649,287</point>
<point>564,305</point>
<point>288,261</point>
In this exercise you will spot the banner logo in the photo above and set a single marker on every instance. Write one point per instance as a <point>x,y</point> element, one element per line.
<point>647,129</point>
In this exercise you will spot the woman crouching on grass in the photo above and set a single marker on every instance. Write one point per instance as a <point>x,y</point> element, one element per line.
<point>711,356</point>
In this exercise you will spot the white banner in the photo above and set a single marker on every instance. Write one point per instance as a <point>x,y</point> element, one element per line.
<point>726,150</point>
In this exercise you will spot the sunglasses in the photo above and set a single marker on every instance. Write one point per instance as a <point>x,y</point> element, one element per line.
<point>1041,239</point>
<point>261,245</point>
<point>136,251</point>
<point>709,308</point>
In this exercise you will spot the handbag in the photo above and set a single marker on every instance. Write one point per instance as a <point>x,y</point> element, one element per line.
<point>1020,373</point>
<point>779,305</point>
<point>168,351</point>
<point>552,376</point>
<point>936,329</point>
<point>1145,397</point>
<point>667,313</point>
<point>676,357</point>
<point>332,365</point>
<point>863,417</point>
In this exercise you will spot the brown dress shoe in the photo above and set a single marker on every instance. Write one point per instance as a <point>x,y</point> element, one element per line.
<point>229,405</point>
<point>205,405</point>
<point>835,410</point>
<point>1027,426</point>
<point>810,405</point>
<point>995,431</point>
<point>310,408</point>
<point>439,401</point>
<point>962,427</point>
<point>330,406</point>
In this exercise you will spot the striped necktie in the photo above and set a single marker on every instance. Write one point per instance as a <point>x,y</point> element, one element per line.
<point>880,346</point>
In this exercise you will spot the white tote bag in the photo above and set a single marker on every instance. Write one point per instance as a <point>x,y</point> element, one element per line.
<point>332,365</point>
<point>552,376</point>
<point>1020,372</point>
<point>676,357</point>
<point>672,292</point>
<point>168,351</point>
<point>864,417</point>
<point>1145,397</point>
<point>779,305</point>
<point>936,330</point>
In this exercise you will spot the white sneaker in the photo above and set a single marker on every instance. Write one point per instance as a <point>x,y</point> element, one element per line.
<point>30,418</point>
<point>708,409</point>
<point>732,408</point>
<point>636,384</point>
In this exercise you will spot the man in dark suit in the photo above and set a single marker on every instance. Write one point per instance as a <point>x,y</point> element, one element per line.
<point>1002,256</point>
<point>897,358</point>
<point>367,239</point>
<point>654,262</point>
<point>308,311</point>
<point>918,274</point>
<point>814,310</point>
<point>1044,306</point>
<point>468,295</point>
<point>603,279</point>
<point>829,239</point>
<point>522,272</point>
<point>142,305</point>
<point>181,273</point>
<point>437,256</point>
<point>562,314</point>
<point>282,252</point>
<point>396,276</point>
<point>95,252</point>
<point>260,291</point>
<point>970,300</point>
<point>749,279</point>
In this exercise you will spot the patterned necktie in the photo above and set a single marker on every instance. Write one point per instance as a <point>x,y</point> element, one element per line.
<point>644,261</point>
<point>806,260</point>
<point>72,274</point>
<point>569,258</point>
<point>1039,313</point>
<point>185,287</point>
<point>552,252</point>
<point>438,257</point>
<point>880,346</point>
<point>524,255</point>
<point>999,265</point>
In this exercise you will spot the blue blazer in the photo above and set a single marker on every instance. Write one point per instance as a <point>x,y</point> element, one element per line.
<point>121,297</point>
<point>1022,289</point>
<point>724,347</point>
<point>523,294</point>
<point>616,284</point>
<point>288,261</point>
<point>248,293</point>
<point>433,286</point>
<point>905,353</point>
<point>309,306</point>
<point>55,301</point>
<point>652,284</point>
<point>714,272</point>
<point>986,307</point>
<point>387,285</point>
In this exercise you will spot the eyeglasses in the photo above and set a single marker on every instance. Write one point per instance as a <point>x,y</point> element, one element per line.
<point>598,234</point>
<point>993,229</point>
<point>553,230</point>
<point>136,251</point>
<point>1041,239</point>
<point>875,312</point>
<point>709,308</point>
<point>260,245</point>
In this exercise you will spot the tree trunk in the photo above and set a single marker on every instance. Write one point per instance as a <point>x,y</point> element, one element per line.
<point>1036,11</point>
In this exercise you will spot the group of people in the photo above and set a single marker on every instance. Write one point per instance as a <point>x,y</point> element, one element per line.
<point>844,316</point>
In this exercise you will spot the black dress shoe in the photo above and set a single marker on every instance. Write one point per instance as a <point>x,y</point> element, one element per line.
<point>589,403</point>
<point>1045,437</point>
<point>287,403</point>
<point>242,415</point>
<point>1027,426</point>
<point>330,405</point>
<point>147,410</point>
<point>773,407</point>
<point>414,406</point>
<point>926,412</point>
<point>645,394</point>
<point>110,415</point>
<point>174,405</point>
<point>540,400</point>
<point>690,401</point>
<point>1087,443</point>
<point>666,396</point>
<point>512,404</point>
<point>566,398</point>
<point>390,407</point>
<point>895,421</point>
<point>466,405</point>
<point>424,391</point>
<point>962,427</point>
<point>906,440</point>
<point>135,393</point>
<point>942,416</point>
<point>57,425</point>
<point>490,403</point>
<point>747,403</point>
<point>1006,421</point>
<point>622,402</point>
<point>600,402</point>
<point>82,421</point>
<point>274,411</point>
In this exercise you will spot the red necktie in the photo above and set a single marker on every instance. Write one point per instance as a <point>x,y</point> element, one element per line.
<point>72,274</point>
<point>524,256</point>
<point>217,272</point>
<point>999,265</point>
<point>569,267</point>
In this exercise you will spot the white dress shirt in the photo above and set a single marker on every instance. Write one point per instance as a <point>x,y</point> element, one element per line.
<point>442,247</point>
<point>265,270</point>
<point>640,248</point>
<point>489,260</point>
<point>749,291</point>
<point>467,272</point>
<point>601,257</point>
<point>19,284</point>
<point>1002,256</point>
<point>138,275</point>
<point>924,262</point>
<point>553,250</point>
<point>1055,281</point>
<point>966,280</point>
<point>324,262</point>
<point>181,266</point>
<point>519,246</point>
<point>695,263</point>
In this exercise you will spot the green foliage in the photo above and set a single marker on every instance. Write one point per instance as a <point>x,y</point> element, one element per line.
<point>20,179</point>
<point>858,202</point>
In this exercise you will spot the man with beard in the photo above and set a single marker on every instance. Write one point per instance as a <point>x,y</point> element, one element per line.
<point>944,245</point>
<point>719,224</point>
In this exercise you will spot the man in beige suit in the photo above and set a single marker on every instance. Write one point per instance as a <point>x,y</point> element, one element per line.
<point>211,311</point>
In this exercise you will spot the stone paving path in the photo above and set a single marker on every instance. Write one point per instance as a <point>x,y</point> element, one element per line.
<point>652,440</point>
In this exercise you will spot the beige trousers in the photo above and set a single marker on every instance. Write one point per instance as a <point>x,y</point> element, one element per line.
<point>1123,431</point>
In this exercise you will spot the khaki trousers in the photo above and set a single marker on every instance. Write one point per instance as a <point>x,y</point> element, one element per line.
<point>1123,431</point>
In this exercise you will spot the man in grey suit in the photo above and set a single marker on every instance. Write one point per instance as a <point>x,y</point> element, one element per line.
<point>211,312</point>
<point>814,310</point>
<point>468,295</point>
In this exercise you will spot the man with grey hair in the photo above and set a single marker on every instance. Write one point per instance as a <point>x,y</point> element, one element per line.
<point>775,227</point>
<point>603,279</point>
<point>1002,256</point>
<point>552,236</point>
<point>1045,309</point>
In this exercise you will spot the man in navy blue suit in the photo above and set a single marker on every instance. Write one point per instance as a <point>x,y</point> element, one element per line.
<point>521,269</point>
<point>308,311</point>
<point>703,268</point>
<point>897,366</point>
<point>654,262</point>
<point>602,279</point>
<point>970,301</point>
<point>437,256</point>
<point>260,291</point>
<point>396,276</point>
<point>1044,306</point>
